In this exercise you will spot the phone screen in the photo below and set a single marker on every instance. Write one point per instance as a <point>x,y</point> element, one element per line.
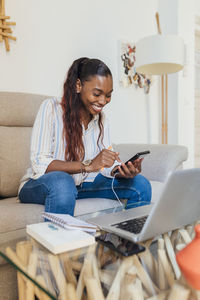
<point>119,244</point>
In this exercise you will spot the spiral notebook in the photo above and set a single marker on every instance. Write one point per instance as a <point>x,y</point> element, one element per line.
<point>69,222</point>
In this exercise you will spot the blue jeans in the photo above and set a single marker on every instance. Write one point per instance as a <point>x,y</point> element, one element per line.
<point>58,192</point>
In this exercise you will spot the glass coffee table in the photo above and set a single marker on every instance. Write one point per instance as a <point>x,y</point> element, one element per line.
<point>97,272</point>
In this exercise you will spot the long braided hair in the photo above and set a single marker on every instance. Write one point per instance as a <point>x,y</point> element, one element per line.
<point>82,69</point>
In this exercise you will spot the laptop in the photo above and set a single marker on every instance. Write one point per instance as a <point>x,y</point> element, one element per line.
<point>178,205</point>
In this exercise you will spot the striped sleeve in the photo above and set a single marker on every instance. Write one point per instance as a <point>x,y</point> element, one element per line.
<point>42,139</point>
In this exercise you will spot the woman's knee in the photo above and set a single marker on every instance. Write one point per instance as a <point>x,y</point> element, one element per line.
<point>60,182</point>
<point>144,186</point>
<point>62,193</point>
<point>141,186</point>
<point>141,192</point>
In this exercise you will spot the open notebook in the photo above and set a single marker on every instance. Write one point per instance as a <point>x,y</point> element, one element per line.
<point>69,222</point>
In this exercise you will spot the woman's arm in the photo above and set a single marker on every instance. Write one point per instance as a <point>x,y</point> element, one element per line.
<point>105,158</point>
<point>71,167</point>
<point>108,145</point>
<point>42,138</point>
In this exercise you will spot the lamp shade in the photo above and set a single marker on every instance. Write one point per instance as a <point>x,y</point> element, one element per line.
<point>159,54</point>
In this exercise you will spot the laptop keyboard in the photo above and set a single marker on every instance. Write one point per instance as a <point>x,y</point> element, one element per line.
<point>133,225</point>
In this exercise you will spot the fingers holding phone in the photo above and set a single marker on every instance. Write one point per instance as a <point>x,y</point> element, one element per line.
<point>127,170</point>
<point>138,164</point>
<point>132,167</point>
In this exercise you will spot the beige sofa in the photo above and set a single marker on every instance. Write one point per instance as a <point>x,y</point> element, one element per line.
<point>17,114</point>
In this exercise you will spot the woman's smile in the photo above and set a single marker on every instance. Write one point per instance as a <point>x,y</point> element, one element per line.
<point>97,108</point>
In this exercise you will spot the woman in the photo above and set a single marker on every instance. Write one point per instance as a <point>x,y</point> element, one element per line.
<point>71,153</point>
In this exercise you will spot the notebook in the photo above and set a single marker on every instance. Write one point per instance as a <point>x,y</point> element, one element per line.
<point>178,205</point>
<point>57,239</point>
<point>69,222</point>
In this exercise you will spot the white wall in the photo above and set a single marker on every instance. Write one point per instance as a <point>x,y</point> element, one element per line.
<point>51,34</point>
<point>197,7</point>
<point>168,10</point>
<point>177,17</point>
<point>187,86</point>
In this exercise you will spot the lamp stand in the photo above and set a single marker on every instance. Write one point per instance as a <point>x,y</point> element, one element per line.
<point>164,92</point>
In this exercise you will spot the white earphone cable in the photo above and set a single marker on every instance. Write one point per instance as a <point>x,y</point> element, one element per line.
<point>112,186</point>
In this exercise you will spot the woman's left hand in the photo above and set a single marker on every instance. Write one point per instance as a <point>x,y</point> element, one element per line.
<point>130,170</point>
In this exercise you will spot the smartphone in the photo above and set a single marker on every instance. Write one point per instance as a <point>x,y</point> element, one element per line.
<point>138,155</point>
<point>133,158</point>
<point>119,244</point>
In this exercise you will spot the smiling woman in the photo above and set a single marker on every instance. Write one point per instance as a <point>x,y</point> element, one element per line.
<point>71,153</point>
<point>94,99</point>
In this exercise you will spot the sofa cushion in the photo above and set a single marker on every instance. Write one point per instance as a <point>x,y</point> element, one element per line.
<point>14,158</point>
<point>162,159</point>
<point>17,115</point>
<point>19,109</point>
<point>17,215</point>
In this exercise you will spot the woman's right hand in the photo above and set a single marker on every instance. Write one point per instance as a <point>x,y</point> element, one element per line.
<point>105,159</point>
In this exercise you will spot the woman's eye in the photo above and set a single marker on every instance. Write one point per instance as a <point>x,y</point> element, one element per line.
<point>96,95</point>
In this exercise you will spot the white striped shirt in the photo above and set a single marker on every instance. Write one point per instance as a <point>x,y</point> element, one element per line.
<point>48,144</point>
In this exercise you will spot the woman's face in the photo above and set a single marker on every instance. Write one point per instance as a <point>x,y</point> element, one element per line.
<point>96,93</point>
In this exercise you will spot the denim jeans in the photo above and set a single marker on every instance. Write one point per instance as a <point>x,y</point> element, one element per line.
<point>58,192</point>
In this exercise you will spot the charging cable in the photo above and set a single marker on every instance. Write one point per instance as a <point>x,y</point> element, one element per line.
<point>112,186</point>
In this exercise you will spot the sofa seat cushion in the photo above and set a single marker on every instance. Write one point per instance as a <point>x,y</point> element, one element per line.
<point>15,215</point>
<point>14,158</point>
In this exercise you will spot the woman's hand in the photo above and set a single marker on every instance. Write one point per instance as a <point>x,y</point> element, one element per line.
<point>105,159</point>
<point>130,170</point>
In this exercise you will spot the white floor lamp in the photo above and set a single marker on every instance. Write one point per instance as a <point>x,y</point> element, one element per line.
<point>160,54</point>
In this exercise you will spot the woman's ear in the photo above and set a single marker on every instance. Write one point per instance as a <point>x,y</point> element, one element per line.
<point>78,86</point>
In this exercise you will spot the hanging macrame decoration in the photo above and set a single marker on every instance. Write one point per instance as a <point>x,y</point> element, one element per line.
<point>5,30</point>
<point>128,75</point>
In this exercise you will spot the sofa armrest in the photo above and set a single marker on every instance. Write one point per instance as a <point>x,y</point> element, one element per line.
<point>162,160</point>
